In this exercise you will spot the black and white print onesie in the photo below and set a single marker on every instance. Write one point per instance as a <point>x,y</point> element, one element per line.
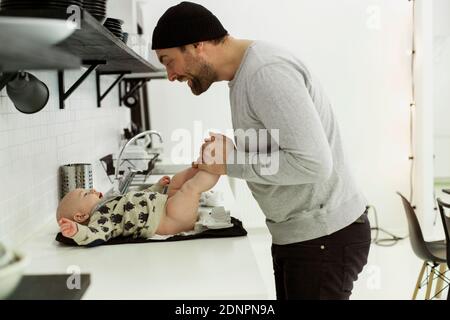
<point>136,213</point>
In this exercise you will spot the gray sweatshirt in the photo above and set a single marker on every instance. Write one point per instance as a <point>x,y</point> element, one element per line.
<point>313,193</point>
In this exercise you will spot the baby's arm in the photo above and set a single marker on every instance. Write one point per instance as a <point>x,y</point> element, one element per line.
<point>159,186</point>
<point>97,232</point>
<point>68,227</point>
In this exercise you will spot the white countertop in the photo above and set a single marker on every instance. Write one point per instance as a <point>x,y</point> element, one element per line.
<point>222,268</point>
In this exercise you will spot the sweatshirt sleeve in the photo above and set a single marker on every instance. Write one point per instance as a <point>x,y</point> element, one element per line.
<point>98,231</point>
<point>280,100</point>
<point>156,188</point>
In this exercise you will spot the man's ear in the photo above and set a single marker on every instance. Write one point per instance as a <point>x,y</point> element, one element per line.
<point>80,217</point>
<point>198,46</point>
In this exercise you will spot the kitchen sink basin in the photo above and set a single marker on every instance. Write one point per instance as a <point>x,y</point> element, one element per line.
<point>138,181</point>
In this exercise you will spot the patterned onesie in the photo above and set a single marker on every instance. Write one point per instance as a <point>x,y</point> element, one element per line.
<point>135,213</point>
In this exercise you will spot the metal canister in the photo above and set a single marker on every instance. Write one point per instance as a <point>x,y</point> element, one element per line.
<point>75,175</point>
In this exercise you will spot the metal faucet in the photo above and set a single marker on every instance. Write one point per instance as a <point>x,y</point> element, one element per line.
<point>119,158</point>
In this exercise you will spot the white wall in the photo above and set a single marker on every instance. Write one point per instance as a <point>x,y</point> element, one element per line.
<point>441,93</point>
<point>357,48</point>
<point>124,10</point>
<point>32,147</point>
<point>423,126</point>
<point>441,20</point>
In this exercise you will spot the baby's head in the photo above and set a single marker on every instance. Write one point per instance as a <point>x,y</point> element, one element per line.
<point>78,204</point>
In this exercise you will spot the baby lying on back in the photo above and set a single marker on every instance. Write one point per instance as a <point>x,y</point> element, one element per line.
<point>90,219</point>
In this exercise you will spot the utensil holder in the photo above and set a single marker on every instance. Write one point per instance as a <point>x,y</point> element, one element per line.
<point>76,175</point>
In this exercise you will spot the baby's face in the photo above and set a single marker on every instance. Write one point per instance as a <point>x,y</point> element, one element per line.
<point>84,200</point>
<point>77,205</point>
<point>87,198</point>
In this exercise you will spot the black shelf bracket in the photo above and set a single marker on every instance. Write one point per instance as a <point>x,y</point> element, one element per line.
<point>120,93</point>
<point>101,96</point>
<point>63,95</point>
<point>134,84</point>
<point>128,86</point>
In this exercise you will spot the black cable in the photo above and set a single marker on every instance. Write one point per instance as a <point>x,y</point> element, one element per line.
<point>391,238</point>
<point>383,242</point>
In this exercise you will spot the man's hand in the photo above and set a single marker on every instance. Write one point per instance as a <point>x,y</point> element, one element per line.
<point>214,153</point>
<point>164,181</point>
<point>68,227</point>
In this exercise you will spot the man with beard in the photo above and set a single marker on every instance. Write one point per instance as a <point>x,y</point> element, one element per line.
<point>314,211</point>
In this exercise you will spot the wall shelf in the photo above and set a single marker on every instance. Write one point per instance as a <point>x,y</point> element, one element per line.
<point>93,42</point>
<point>150,76</point>
<point>91,45</point>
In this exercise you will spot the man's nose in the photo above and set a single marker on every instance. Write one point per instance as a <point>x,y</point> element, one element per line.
<point>172,76</point>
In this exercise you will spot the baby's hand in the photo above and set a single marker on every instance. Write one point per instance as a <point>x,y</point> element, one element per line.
<point>68,227</point>
<point>164,181</point>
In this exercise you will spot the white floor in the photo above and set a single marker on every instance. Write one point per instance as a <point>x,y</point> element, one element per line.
<point>390,274</point>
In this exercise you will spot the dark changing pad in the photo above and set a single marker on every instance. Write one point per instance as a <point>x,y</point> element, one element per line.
<point>237,230</point>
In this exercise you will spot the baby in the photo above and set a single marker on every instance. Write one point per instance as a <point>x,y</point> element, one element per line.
<point>89,219</point>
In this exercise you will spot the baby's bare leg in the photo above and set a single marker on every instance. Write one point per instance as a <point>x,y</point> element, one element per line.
<point>179,179</point>
<point>182,207</point>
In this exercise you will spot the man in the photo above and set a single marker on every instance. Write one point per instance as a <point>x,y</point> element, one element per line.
<point>314,211</point>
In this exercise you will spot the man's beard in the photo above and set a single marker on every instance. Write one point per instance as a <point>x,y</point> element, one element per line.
<point>203,79</point>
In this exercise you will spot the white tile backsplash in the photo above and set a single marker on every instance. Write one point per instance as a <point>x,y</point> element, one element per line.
<point>33,147</point>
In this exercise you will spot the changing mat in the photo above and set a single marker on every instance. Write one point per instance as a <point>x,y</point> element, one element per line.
<point>213,222</point>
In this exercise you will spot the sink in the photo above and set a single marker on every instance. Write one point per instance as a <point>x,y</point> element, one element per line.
<point>138,182</point>
<point>46,32</point>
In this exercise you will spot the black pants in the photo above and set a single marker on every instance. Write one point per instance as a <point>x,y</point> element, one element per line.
<point>322,268</point>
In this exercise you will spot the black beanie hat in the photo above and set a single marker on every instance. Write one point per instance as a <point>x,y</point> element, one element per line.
<point>184,24</point>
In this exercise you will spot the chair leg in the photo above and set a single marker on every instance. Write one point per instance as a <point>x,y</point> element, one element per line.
<point>419,280</point>
<point>440,281</point>
<point>430,283</point>
<point>448,294</point>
